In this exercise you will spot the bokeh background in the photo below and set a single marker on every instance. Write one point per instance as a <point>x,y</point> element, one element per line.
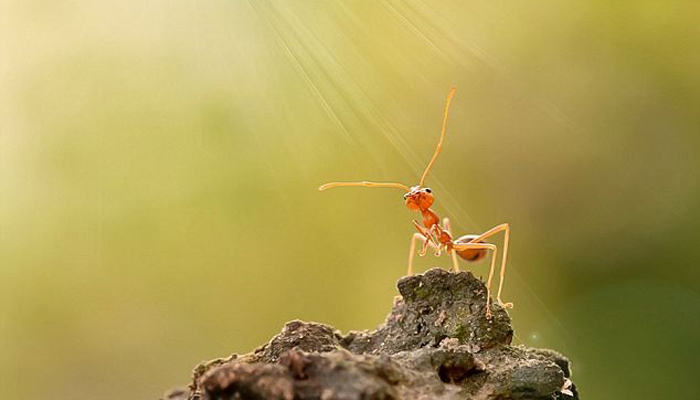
<point>159,163</point>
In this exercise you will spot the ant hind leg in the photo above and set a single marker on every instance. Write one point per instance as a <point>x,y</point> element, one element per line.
<point>505,228</point>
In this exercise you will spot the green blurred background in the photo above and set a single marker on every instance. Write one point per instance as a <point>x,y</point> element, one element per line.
<point>159,163</point>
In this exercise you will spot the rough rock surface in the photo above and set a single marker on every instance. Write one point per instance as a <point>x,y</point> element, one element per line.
<point>435,344</point>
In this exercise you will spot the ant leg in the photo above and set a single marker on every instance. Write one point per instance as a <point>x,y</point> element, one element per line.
<point>424,249</point>
<point>506,229</point>
<point>446,223</point>
<point>435,233</point>
<point>412,251</point>
<point>453,253</point>
<point>428,234</point>
<point>494,249</point>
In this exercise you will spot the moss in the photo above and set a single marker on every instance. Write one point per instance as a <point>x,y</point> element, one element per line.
<point>462,334</point>
<point>422,293</point>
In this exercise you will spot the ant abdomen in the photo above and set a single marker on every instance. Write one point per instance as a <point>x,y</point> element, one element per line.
<point>470,254</point>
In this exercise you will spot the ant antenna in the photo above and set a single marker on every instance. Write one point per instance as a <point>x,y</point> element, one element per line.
<point>365,184</point>
<point>442,135</point>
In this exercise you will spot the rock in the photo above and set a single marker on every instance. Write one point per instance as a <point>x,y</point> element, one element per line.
<point>435,344</point>
<point>435,306</point>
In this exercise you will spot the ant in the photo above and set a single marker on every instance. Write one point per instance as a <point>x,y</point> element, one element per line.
<point>439,237</point>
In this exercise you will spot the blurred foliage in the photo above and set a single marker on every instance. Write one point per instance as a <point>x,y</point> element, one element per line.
<point>159,164</point>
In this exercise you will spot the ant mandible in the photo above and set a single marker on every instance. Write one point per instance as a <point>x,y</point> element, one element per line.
<point>439,238</point>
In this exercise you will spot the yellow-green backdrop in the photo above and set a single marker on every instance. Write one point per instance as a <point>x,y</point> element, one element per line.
<point>159,163</point>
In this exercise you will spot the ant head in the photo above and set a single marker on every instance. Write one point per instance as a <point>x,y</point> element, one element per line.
<point>419,199</point>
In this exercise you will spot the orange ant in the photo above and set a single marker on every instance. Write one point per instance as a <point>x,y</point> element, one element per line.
<point>439,238</point>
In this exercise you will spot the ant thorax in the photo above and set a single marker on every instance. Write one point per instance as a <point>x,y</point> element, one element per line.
<point>430,218</point>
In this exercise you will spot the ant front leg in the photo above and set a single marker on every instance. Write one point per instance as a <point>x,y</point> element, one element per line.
<point>494,250</point>
<point>429,237</point>
<point>506,229</point>
<point>411,253</point>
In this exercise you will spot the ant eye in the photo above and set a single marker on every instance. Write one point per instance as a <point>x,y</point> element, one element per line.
<point>428,190</point>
